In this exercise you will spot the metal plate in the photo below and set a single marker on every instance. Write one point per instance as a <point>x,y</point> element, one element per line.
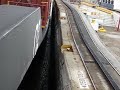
<point>19,32</point>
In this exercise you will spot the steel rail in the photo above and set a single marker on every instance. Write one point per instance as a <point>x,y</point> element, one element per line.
<point>68,13</point>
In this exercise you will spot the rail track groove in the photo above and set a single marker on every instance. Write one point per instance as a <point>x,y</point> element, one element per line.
<point>90,54</point>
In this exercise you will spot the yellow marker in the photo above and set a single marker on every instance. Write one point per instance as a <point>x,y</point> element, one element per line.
<point>104,10</point>
<point>88,4</point>
<point>97,7</point>
<point>43,26</point>
<point>93,21</point>
<point>102,29</point>
<point>67,47</point>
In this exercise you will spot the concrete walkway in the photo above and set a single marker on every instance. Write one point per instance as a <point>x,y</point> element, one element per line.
<point>73,73</point>
<point>100,44</point>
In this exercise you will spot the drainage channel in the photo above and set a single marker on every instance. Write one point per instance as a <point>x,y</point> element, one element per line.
<point>43,73</point>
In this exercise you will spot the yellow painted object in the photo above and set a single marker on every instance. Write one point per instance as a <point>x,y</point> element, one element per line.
<point>88,4</point>
<point>43,26</point>
<point>93,21</point>
<point>102,29</point>
<point>97,7</point>
<point>104,10</point>
<point>67,47</point>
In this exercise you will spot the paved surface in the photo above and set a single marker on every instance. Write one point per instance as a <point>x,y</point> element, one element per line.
<point>111,39</point>
<point>100,45</point>
<point>97,77</point>
<point>102,48</point>
<point>74,76</point>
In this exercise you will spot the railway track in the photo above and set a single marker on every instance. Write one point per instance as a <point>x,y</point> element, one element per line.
<point>103,77</point>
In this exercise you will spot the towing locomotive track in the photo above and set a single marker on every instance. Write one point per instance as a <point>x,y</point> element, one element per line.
<point>110,73</point>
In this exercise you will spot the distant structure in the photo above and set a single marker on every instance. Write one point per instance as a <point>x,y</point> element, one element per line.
<point>110,4</point>
<point>106,3</point>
